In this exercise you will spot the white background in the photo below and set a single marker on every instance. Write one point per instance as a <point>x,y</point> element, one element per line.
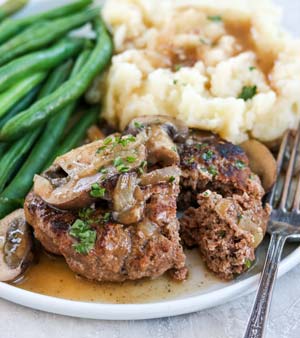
<point>227,321</point>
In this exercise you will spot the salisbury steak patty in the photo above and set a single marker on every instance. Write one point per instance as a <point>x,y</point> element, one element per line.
<point>227,220</point>
<point>108,211</point>
<point>227,230</point>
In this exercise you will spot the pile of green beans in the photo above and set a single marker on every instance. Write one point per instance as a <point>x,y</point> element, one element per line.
<point>43,77</point>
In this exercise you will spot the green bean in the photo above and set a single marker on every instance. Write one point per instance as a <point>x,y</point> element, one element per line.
<point>11,159</point>
<point>77,134</point>
<point>24,103</point>
<point>15,93</point>
<point>39,61</point>
<point>71,90</point>
<point>12,191</point>
<point>46,145</point>
<point>10,7</point>
<point>3,147</point>
<point>42,33</point>
<point>11,27</point>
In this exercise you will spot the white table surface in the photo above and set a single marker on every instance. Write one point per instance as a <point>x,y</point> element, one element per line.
<point>227,321</point>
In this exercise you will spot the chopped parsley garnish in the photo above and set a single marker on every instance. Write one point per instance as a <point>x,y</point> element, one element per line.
<point>85,235</point>
<point>248,92</point>
<point>103,170</point>
<point>142,167</point>
<point>101,149</point>
<point>213,170</point>
<point>207,155</point>
<point>248,263</point>
<point>118,161</point>
<point>138,125</point>
<point>177,67</point>
<point>206,194</point>
<point>130,159</point>
<point>85,213</point>
<point>191,160</point>
<point>122,168</point>
<point>175,81</point>
<point>126,140</point>
<point>106,217</point>
<point>251,68</point>
<point>222,233</point>
<point>204,42</point>
<point>174,148</point>
<point>171,179</point>
<point>107,141</point>
<point>200,146</point>
<point>215,18</point>
<point>239,217</point>
<point>240,164</point>
<point>252,176</point>
<point>97,191</point>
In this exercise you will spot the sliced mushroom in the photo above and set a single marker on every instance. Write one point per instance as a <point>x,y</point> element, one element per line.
<point>176,129</point>
<point>68,182</point>
<point>161,149</point>
<point>261,162</point>
<point>128,201</point>
<point>15,245</point>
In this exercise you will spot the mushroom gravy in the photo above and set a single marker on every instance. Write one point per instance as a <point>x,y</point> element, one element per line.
<point>52,277</point>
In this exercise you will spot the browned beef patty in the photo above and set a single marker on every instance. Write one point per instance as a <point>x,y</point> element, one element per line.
<point>225,218</point>
<point>145,249</point>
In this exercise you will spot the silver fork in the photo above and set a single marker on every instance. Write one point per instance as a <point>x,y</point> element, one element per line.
<point>284,225</point>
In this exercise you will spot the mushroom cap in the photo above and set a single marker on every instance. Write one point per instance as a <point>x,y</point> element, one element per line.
<point>15,245</point>
<point>261,162</point>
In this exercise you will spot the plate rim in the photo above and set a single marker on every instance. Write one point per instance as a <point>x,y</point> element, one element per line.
<point>151,310</point>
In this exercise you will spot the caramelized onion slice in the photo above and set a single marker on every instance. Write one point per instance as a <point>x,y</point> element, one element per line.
<point>15,245</point>
<point>165,175</point>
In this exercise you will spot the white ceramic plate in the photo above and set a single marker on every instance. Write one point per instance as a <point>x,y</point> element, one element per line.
<point>192,296</point>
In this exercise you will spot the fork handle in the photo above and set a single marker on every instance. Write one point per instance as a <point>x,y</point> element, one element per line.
<point>260,310</point>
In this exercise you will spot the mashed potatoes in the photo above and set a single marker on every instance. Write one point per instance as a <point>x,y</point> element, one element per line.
<point>220,65</point>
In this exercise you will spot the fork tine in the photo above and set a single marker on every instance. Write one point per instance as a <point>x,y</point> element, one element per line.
<point>289,173</point>
<point>280,159</point>
<point>296,202</point>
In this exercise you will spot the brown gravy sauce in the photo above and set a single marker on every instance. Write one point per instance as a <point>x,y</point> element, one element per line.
<point>51,276</point>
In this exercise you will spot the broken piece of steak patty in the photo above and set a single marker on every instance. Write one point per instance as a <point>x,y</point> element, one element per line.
<point>226,218</point>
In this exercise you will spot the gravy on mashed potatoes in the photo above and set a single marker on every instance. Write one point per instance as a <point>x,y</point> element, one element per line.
<point>222,65</point>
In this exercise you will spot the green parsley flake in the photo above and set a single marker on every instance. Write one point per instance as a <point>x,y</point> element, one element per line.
<point>248,263</point>
<point>85,235</point>
<point>213,170</point>
<point>142,167</point>
<point>107,141</point>
<point>106,217</point>
<point>171,179</point>
<point>248,92</point>
<point>215,18</point>
<point>100,149</point>
<point>97,191</point>
<point>251,68</point>
<point>130,159</point>
<point>206,194</point>
<point>122,168</point>
<point>222,233</point>
<point>138,125</point>
<point>240,217</point>
<point>103,170</point>
<point>118,161</point>
<point>191,160</point>
<point>85,213</point>
<point>174,148</point>
<point>240,164</point>
<point>175,81</point>
<point>204,42</point>
<point>207,155</point>
<point>177,67</point>
<point>126,140</point>
<point>200,146</point>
